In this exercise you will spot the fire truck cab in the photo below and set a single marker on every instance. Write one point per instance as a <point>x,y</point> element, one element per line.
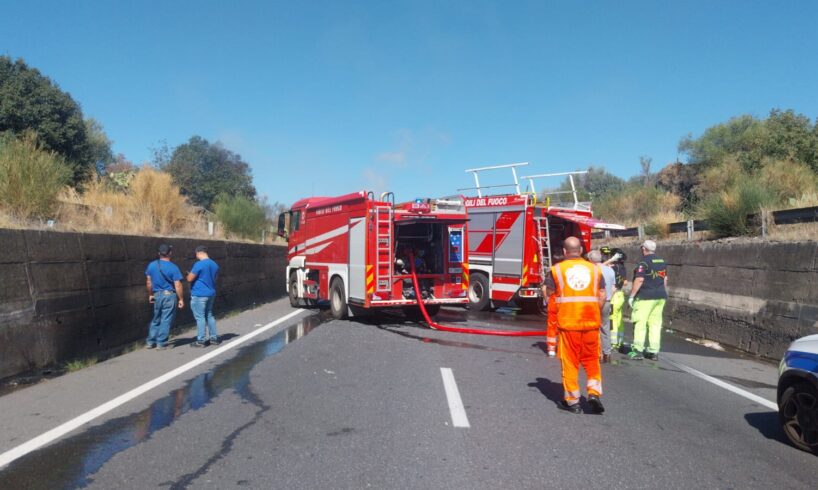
<point>355,250</point>
<point>514,238</point>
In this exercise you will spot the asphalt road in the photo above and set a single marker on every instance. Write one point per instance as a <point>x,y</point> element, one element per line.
<point>315,403</point>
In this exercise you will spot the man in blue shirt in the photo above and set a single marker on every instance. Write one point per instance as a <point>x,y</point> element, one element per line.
<point>164,285</point>
<point>202,279</point>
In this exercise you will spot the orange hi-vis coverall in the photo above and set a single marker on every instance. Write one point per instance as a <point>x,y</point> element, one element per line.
<point>578,283</point>
<point>552,325</point>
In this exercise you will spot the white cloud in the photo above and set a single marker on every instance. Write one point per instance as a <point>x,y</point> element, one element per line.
<point>397,158</point>
<point>413,147</point>
<point>375,180</point>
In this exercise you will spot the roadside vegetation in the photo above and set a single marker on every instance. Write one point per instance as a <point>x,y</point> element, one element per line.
<point>58,171</point>
<point>78,364</point>
<point>734,169</point>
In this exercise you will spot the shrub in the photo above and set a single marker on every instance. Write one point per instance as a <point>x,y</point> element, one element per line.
<point>164,205</point>
<point>241,216</point>
<point>151,205</point>
<point>30,177</point>
<point>788,180</point>
<point>727,212</point>
<point>636,204</point>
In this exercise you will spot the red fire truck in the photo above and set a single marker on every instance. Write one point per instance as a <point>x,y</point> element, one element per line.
<point>354,251</point>
<point>513,238</point>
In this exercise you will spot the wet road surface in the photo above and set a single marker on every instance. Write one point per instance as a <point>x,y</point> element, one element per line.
<point>329,404</point>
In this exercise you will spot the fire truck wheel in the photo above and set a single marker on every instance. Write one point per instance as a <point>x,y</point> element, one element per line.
<point>479,298</point>
<point>337,300</point>
<point>293,290</point>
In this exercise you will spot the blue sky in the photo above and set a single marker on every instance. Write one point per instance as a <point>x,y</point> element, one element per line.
<point>324,98</point>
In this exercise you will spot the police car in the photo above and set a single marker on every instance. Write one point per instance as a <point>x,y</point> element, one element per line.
<point>798,393</point>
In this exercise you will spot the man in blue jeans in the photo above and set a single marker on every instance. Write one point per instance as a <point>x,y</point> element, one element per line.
<point>164,285</point>
<point>202,279</point>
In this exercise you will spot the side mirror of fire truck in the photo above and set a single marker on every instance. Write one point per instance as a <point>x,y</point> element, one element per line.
<point>282,224</point>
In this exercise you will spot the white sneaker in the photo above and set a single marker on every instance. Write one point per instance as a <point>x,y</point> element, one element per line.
<point>552,354</point>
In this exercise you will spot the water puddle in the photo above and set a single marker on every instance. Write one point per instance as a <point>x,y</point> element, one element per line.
<point>69,462</point>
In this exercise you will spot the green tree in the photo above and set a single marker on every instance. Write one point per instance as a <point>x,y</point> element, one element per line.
<point>31,101</point>
<point>783,135</point>
<point>644,165</point>
<point>204,171</point>
<point>99,143</point>
<point>593,185</point>
<point>743,137</point>
<point>241,216</point>
<point>791,136</point>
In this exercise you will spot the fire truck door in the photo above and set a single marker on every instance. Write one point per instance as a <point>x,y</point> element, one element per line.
<point>508,243</point>
<point>357,258</point>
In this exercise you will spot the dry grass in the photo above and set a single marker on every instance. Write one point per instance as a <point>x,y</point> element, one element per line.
<point>151,206</point>
<point>794,232</point>
<point>8,221</point>
<point>658,225</point>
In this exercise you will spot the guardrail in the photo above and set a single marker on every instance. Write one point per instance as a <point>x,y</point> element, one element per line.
<point>782,217</point>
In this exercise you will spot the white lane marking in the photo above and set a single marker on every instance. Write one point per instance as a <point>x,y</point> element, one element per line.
<point>59,431</point>
<point>459,418</point>
<point>727,386</point>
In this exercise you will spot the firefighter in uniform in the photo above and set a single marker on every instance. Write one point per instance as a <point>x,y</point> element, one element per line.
<point>647,300</point>
<point>579,289</point>
<point>616,259</point>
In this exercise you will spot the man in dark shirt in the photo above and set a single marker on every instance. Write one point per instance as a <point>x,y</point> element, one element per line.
<point>647,301</point>
<point>163,280</point>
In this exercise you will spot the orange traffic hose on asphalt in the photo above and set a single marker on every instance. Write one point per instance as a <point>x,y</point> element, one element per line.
<point>476,331</point>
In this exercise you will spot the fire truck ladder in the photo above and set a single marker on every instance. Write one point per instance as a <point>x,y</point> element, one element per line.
<point>383,248</point>
<point>544,240</point>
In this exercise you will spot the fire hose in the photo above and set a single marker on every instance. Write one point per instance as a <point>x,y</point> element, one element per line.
<point>477,331</point>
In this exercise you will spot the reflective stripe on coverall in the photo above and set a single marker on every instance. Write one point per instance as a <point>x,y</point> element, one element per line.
<point>552,325</point>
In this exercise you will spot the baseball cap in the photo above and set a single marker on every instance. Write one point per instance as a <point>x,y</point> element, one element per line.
<point>201,248</point>
<point>649,245</point>
<point>165,249</point>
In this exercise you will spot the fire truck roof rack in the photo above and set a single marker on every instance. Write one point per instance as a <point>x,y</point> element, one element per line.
<point>577,205</point>
<point>479,188</point>
<point>388,197</point>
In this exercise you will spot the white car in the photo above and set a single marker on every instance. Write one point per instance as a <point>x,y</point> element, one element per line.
<point>798,393</point>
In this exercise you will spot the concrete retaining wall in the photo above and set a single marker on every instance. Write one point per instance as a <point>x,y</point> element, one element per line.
<point>755,295</point>
<point>65,296</point>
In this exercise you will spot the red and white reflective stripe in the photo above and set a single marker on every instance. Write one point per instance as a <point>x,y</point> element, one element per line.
<point>551,339</point>
<point>594,384</point>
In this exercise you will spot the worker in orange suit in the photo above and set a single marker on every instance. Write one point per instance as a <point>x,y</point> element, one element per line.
<point>579,290</point>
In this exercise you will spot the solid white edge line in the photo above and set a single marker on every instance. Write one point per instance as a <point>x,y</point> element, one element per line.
<point>32,445</point>
<point>458,411</point>
<point>727,386</point>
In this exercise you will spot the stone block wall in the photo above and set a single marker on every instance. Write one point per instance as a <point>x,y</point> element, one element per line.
<point>66,296</point>
<point>755,295</point>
